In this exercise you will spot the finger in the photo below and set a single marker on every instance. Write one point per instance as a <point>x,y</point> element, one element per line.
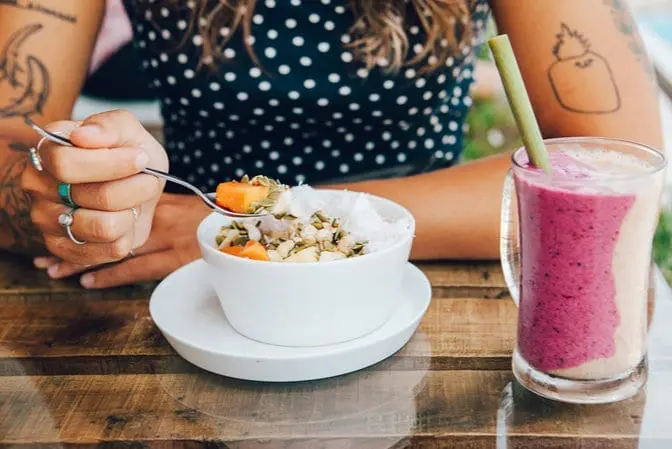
<point>62,269</point>
<point>108,196</point>
<point>148,268</point>
<point>90,253</point>
<point>65,163</point>
<point>88,225</point>
<point>44,263</point>
<point>110,129</point>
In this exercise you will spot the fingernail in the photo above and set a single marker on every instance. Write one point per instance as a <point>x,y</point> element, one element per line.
<point>141,161</point>
<point>90,130</point>
<point>87,280</point>
<point>53,270</point>
<point>41,262</point>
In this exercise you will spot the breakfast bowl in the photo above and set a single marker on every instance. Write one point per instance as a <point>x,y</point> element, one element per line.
<point>311,303</point>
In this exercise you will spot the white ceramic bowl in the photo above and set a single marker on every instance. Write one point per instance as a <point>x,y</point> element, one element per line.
<point>308,304</point>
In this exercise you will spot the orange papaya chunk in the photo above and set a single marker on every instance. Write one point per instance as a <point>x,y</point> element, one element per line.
<point>232,250</point>
<point>238,197</point>
<point>255,251</point>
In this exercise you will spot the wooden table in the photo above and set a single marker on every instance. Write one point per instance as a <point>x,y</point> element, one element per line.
<point>82,368</point>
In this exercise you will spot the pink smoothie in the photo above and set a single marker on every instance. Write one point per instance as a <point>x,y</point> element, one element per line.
<point>568,312</point>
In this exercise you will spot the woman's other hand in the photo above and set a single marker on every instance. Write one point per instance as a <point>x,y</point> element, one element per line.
<point>115,204</point>
<point>171,244</point>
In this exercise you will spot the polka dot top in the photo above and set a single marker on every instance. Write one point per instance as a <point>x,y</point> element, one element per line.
<point>310,113</point>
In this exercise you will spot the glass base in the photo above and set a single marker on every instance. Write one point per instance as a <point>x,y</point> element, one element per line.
<point>561,389</point>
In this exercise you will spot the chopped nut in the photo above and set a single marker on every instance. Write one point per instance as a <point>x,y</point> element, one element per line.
<point>346,243</point>
<point>324,235</point>
<point>328,256</point>
<point>274,256</point>
<point>285,247</point>
<point>305,255</point>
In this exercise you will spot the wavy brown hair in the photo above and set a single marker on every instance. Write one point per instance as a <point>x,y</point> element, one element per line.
<point>379,34</point>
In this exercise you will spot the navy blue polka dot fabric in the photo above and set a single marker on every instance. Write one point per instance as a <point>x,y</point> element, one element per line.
<point>311,112</point>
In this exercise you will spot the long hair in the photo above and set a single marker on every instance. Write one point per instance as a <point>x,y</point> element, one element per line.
<point>378,36</point>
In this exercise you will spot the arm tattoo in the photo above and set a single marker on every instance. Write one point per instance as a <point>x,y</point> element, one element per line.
<point>34,5</point>
<point>576,66</point>
<point>27,76</point>
<point>628,27</point>
<point>15,222</point>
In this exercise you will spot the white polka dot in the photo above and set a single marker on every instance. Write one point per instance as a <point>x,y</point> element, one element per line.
<point>339,9</point>
<point>259,164</point>
<point>197,40</point>
<point>449,156</point>
<point>288,141</point>
<point>305,61</point>
<point>380,159</point>
<point>234,117</point>
<point>295,2</point>
<point>334,77</point>
<point>429,144</point>
<point>265,86</point>
<point>268,128</point>
<point>270,3</point>
<point>283,69</point>
<point>455,101</point>
<point>296,160</point>
<point>224,31</point>
<point>322,102</point>
<point>154,63</point>
<point>230,76</point>
<point>444,108</point>
<point>410,73</point>
<point>184,101</point>
<point>358,157</point>
<point>467,101</point>
<point>294,95</point>
<point>182,58</point>
<point>242,96</point>
<point>335,153</point>
<point>298,41</point>
<point>412,144</point>
<point>272,34</point>
<point>441,79</point>
<point>151,35</point>
<point>196,93</point>
<point>290,23</point>
<point>337,115</point>
<point>343,168</point>
<point>386,135</point>
<point>230,53</point>
<point>182,24</point>
<point>345,38</point>
<point>369,146</point>
<point>297,111</point>
<point>309,84</point>
<point>450,61</point>
<point>443,94</point>
<point>402,100</point>
<point>427,111</point>
<point>329,25</point>
<point>389,84</point>
<point>314,18</point>
<point>421,131</point>
<point>258,111</point>
<point>214,86</point>
<point>255,72</point>
<point>377,113</point>
<point>417,48</point>
<point>319,165</point>
<point>219,106</point>
<point>163,57</point>
<point>171,79</point>
<point>344,90</point>
<point>414,30</point>
<point>346,56</point>
<point>374,97</point>
<point>258,19</point>
<point>308,150</point>
<point>362,73</point>
<point>434,120</point>
<point>323,47</point>
<point>354,107</point>
<point>273,155</point>
<point>401,157</point>
<point>427,95</point>
<point>251,40</point>
<point>279,118</point>
<point>270,52</point>
<point>438,154</point>
<point>394,144</point>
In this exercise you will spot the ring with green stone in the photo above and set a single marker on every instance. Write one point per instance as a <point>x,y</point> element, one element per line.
<point>65,192</point>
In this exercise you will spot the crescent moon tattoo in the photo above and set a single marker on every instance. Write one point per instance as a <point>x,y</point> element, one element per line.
<point>27,76</point>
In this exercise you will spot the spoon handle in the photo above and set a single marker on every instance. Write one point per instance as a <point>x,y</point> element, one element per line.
<point>179,181</point>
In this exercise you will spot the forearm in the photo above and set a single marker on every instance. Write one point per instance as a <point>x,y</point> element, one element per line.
<point>17,232</point>
<point>456,210</point>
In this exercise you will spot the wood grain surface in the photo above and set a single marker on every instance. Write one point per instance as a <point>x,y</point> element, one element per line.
<point>89,369</point>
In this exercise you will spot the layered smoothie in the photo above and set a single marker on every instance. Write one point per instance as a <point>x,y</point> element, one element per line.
<point>585,248</point>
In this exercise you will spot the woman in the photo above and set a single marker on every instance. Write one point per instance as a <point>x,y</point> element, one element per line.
<point>364,94</point>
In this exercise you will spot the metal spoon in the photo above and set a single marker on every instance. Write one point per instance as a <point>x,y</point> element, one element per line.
<point>208,198</point>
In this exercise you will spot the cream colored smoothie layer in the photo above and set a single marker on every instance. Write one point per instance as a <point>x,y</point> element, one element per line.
<point>631,271</point>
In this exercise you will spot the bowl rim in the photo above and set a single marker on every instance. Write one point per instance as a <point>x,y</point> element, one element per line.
<point>410,235</point>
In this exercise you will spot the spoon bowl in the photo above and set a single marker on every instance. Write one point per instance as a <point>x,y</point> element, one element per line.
<point>208,198</point>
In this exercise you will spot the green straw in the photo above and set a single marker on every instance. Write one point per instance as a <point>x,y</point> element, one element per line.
<point>519,102</point>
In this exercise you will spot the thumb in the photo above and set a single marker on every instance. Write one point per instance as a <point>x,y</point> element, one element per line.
<point>111,129</point>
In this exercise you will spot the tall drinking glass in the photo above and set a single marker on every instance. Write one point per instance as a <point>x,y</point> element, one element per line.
<point>576,253</point>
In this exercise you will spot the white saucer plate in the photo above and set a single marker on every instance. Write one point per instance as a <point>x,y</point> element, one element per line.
<point>186,310</point>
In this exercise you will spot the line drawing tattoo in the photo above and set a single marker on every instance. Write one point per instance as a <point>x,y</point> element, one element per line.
<point>577,65</point>
<point>35,6</point>
<point>15,214</point>
<point>628,27</point>
<point>27,76</point>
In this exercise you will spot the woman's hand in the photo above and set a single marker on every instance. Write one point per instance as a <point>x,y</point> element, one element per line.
<point>115,204</point>
<point>171,244</point>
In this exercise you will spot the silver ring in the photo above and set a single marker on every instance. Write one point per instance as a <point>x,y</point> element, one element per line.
<point>65,220</point>
<point>136,215</point>
<point>35,159</point>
